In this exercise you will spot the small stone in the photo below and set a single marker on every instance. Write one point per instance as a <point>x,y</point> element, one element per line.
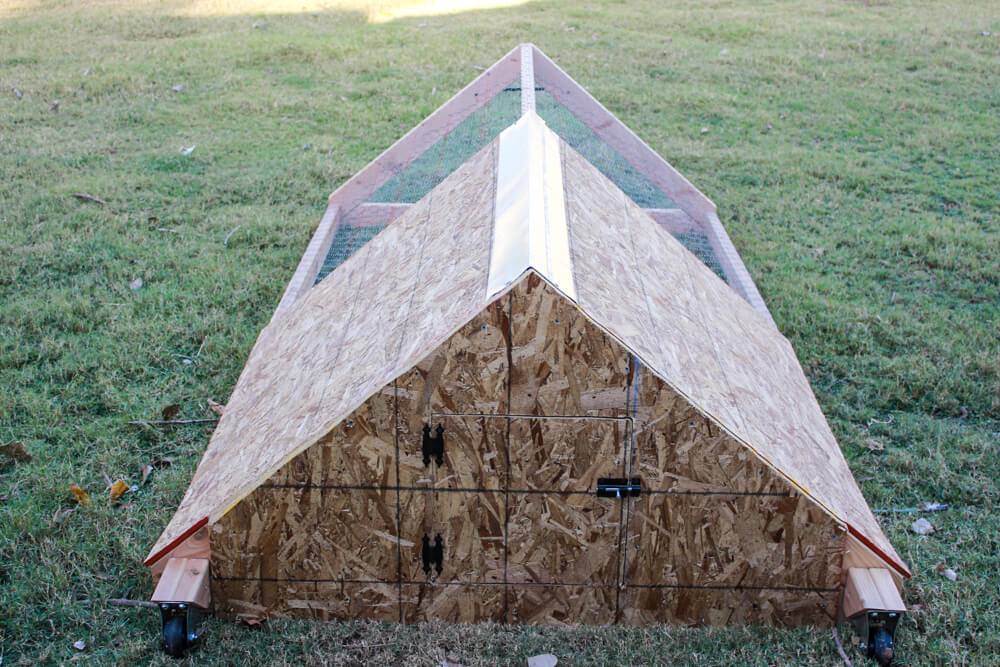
<point>178,88</point>
<point>704,130</point>
<point>543,660</point>
<point>922,527</point>
<point>79,645</point>
<point>186,362</point>
<point>949,574</point>
<point>136,284</point>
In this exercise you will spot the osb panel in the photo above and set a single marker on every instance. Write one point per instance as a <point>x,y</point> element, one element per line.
<point>608,286</point>
<point>713,540</point>
<point>566,454</point>
<point>706,606</point>
<point>563,539</point>
<point>316,533</point>
<point>677,448</point>
<point>471,526</point>
<point>562,363</point>
<point>320,601</point>
<point>452,285</point>
<point>561,605</point>
<point>344,339</point>
<point>630,276</point>
<point>475,454</point>
<point>359,451</point>
<point>466,374</point>
<point>452,603</point>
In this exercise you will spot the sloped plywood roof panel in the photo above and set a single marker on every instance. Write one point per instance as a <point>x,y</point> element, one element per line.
<point>693,331</point>
<point>371,319</point>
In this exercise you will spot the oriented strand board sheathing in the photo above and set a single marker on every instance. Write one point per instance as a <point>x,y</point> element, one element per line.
<point>563,539</point>
<point>315,600</point>
<point>739,540</point>
<point>452,603</point>
<point>749,381</point>
<point>561,605</point>
<point>309,533</point>
<point>566,454</point>
<point>344,340</point>
<point>359,451</point>
<point>707,606</point>
<point>562,363</point>
<point>471,526</point>
<point>676,448</point>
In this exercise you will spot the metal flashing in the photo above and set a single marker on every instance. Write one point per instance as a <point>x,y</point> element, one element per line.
<point>529,226</point>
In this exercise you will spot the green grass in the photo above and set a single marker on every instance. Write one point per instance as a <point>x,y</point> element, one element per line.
<point>868,213</point>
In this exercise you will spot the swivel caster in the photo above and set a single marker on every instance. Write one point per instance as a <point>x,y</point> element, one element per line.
<point>180,627</point>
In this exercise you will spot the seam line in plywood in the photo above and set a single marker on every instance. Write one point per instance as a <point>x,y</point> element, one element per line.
<point>555,492</point>
<point>547,584</point>
<point>526,416</point>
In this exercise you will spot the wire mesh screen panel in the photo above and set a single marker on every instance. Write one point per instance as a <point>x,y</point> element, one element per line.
<point>346,242</point>
<point>428,169</point>
<point>453,150</point>
<point>563,122</point>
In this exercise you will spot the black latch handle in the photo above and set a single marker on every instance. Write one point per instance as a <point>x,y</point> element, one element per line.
<point>433,445</point>
<point>432,555</point>
<point>618,487</point>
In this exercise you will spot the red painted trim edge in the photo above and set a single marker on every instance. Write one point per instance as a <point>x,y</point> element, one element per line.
<point>899,567</point>
<point>183,536</point>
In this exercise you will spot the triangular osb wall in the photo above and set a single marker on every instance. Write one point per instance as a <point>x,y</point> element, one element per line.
<point>536,403</point>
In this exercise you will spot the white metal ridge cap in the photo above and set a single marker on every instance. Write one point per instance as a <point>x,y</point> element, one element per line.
<point>529,227</point>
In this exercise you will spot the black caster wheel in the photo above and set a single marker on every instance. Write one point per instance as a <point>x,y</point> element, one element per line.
<point>175,637</point>
<point>883,647</point>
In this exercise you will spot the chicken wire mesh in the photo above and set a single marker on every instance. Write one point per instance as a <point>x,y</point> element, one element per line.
<point>427,170</point>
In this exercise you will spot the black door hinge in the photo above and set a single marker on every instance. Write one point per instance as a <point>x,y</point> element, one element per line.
<point>433,445</point>
<point>433,555</point>
<point>618,487</point>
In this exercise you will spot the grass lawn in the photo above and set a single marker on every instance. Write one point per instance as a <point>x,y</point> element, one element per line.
<point>852,149</point>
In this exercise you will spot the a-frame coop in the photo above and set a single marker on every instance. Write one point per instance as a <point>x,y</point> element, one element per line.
<point>547,391</point>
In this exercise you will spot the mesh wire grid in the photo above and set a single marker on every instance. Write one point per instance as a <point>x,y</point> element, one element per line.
<point>431,167</point>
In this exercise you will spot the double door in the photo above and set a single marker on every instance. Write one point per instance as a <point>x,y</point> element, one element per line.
<point>509,525</point>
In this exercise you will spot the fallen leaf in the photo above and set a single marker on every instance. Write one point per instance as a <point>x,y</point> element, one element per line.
<point>187,151</point>
<point>162,461</point>
<point>15,450</point>
<point>949,574</point>
<point>118,489</point>
<point>54,106</point>
<point>216,407</point>
<point>146,471</point>
<point>80,495</point>
<point>17,93</point>
<point>107,478</point>
<point>260,24</point>
<point>170,411</point>
<point>543,660</point>
<point>136,284</point>
<point>79,645</point>
<point>922,527</point>
<point>963,412</point>
<point>874,445</point>
<point>448,663</point>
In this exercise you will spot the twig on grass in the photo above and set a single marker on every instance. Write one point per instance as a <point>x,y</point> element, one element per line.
<point>162,422</point>
<point>84,196</point>
<point>226,242</point>
<point>125,602</point>
<point>840,649</point>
